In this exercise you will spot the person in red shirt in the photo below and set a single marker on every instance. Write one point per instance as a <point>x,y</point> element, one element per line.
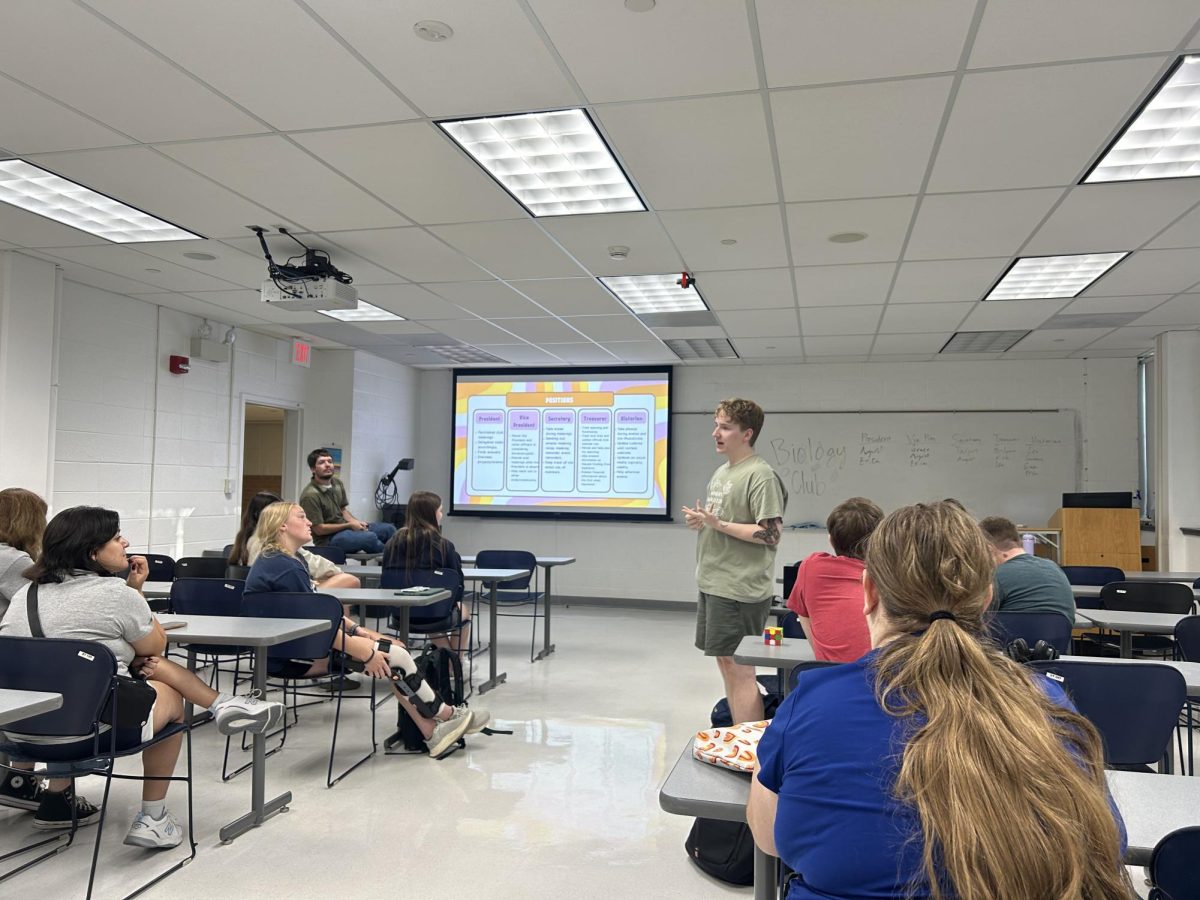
<point>828,593</point>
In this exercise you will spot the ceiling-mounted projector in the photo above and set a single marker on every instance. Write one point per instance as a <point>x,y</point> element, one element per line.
<point>305,284</point>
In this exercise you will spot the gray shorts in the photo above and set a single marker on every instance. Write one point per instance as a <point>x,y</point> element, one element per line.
<point>721,623</point>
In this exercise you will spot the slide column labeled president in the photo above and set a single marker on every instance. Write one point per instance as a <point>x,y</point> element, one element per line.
<point>324,502</point>
<point>739,527</point>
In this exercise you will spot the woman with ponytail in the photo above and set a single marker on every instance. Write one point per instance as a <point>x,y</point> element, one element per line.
<point>934,766</point>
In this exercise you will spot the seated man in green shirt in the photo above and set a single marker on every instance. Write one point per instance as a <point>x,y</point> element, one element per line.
<point>324,502</point>
<point>1025,583</point>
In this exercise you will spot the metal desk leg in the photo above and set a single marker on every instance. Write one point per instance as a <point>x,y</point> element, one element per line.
<point>766,876</point>
<point>403,626</point>
<point>493,678</point>
<point>547,647</point>
<point>1126,644</point>
<point>259,807</point>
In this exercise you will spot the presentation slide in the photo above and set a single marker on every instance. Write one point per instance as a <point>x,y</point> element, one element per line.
<point>562,442</point>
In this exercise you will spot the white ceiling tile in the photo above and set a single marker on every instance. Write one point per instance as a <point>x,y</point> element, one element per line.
<point>394,328</point>
<point>1096,218</point>
<point>123,85</point>
<point>861,140</point>
<point>411,301</point>
<point>758,231</point>
<point>902,357</point>
<point>684,154</point>
<point>759,322</point>
<point>1126,353</point>
<point>581,353</point>
<point>911,318</point>
<point>495,62</point>
<point>1034,127</point>
<point>224,42</point>
<point>1010,314</point>
<point>541,330</point>
<point>129,263</point>
<point>282,177</point>
<point>896,344</point>
<point>25,229</point>
<point>700,332</point>
<point>1183,310</point>
<point>1086,305</point>
<point>960,226</point>
<point>588,238</point>
<point>521,354</point>
<point>570,296</point>
<point>362,271</point>
<point>93,277</point>
<point>1130,338</point>
<point>884,221</point>
<point>607,329</point>
<point>1059,339</point>
<point>1184,233</point>
<point>220,307</point>
<point>1013,32</point>
<point>843,285</point>
<point>34,124</point>
<point>1150,272</point>
<point>822,320</point>
<point>942,282</point>
<point>410,252</point>
<point>473,331</point>
<point>847,345</point>
<point>1037,354</point>
<point>511,249</point>
<point>230,264</point>
<point>162,187</point>
<point>675,50</point>
<point>854,40</point>
<point>435,183</point>
<point>641,351</point>
<point>747,289</point>
<point>489,299</point>
<point>769,348</point>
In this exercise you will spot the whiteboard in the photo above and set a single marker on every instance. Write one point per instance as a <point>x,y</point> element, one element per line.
<point>1013,464</point>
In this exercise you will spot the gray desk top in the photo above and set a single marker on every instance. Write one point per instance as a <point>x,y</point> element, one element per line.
<point>753,652</point>
<point>1189,577</point>
<point>497,576</point>
<point>384,596</point>
<point>1122,620</point>
<point>243,631</point>
<point>1092,592</point>
<point>16,705</point>
<point>1152,805</point>
<point>156,589</point>
<point>1189,670</point>
<point>547,562</point>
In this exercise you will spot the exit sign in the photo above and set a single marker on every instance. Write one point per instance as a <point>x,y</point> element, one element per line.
<point>301,353</point>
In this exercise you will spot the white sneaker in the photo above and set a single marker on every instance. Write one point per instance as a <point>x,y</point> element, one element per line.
<point>156,834</point>
<point>446,733</point>
<point>479,718</point>
<point>247,713</point>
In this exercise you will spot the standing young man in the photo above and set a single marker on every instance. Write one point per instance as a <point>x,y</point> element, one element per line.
<point>739,527</point>
<point>324,502</point>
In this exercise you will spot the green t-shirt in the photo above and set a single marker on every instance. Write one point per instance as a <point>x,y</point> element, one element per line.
<point>1032,584</point>
<point>324,506</point>
<point>748,492</point>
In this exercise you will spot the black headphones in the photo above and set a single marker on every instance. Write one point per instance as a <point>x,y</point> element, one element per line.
<point>1020,651</point>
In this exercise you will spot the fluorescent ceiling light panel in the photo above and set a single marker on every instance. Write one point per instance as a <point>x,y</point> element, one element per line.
<point>364,313</point>
<point>1047,277</point>
<point>553,163</point>
<point>654,293</point>
<point>702,348</point>
<point>37,191</point>
<point>1163,138</point>
<point>982,341</point>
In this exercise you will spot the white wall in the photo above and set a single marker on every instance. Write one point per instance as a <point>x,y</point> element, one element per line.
<point>1177,490</point>
<point>656,561</point>
<point>383,431</point>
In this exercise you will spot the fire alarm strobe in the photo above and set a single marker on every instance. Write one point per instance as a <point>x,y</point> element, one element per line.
<point>179,365</point>
<point>685,280</point>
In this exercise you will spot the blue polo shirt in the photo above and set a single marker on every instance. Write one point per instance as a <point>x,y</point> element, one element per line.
<point>832,756</point>
<point>278,572</point>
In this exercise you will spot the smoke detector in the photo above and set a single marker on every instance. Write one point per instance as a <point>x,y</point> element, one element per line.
<point>618,253</point>
<point>432,30</point>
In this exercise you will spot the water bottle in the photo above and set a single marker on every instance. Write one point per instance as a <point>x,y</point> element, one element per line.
<point>1027,541</point>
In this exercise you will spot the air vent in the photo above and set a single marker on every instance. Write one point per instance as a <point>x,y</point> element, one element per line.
<point>1091,320</point>
<point>461,353</point>
<point>702,348</point>
<point>982,341</point>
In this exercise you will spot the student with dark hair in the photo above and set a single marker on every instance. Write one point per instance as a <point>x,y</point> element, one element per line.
<point>828,594</point>
<point>76,596</point>
<point>935,766</point>
<point>325,504</point>
<point>1024,582</point>
<point>419,545</point>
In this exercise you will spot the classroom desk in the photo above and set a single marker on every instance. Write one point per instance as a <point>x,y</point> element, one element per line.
<point>156,590</point>
<point>1128,623</point>
<point>491,578</point>
<point>16,705</point>
<point>368,574</point>
<point>387,597</point>
<point>1189,670</point>
<point>1152,806</point>
<point>1188,577</point>
<point>547,563</point>
<point>232,631</point>
<point>1092,592</point>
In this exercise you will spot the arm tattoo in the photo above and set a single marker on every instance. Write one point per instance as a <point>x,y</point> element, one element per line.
<point>768,531</point>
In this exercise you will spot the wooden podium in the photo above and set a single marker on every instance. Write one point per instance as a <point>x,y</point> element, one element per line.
<point>1100,537</point>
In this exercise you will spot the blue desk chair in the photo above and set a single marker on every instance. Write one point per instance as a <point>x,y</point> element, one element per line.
<point>1093,576</point>
<point>314,646</point>
<point>237,573</point>
<point>335,555</point>
<point>1134,706</point>
<point>513,593</point>
<point>1187,646</point>
<point>162,568</point>
<point>790,623</point>
<point>789,579</point>
<point>1173,870</point>
<point>1054,629</point>
<point>200,567</point>
<point>800,668</point>
<point>85,673</point>
<point>1145,596</point>
<point>441,619</point>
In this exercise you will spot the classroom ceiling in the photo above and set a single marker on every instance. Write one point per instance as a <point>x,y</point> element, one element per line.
<point>953,134</point>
